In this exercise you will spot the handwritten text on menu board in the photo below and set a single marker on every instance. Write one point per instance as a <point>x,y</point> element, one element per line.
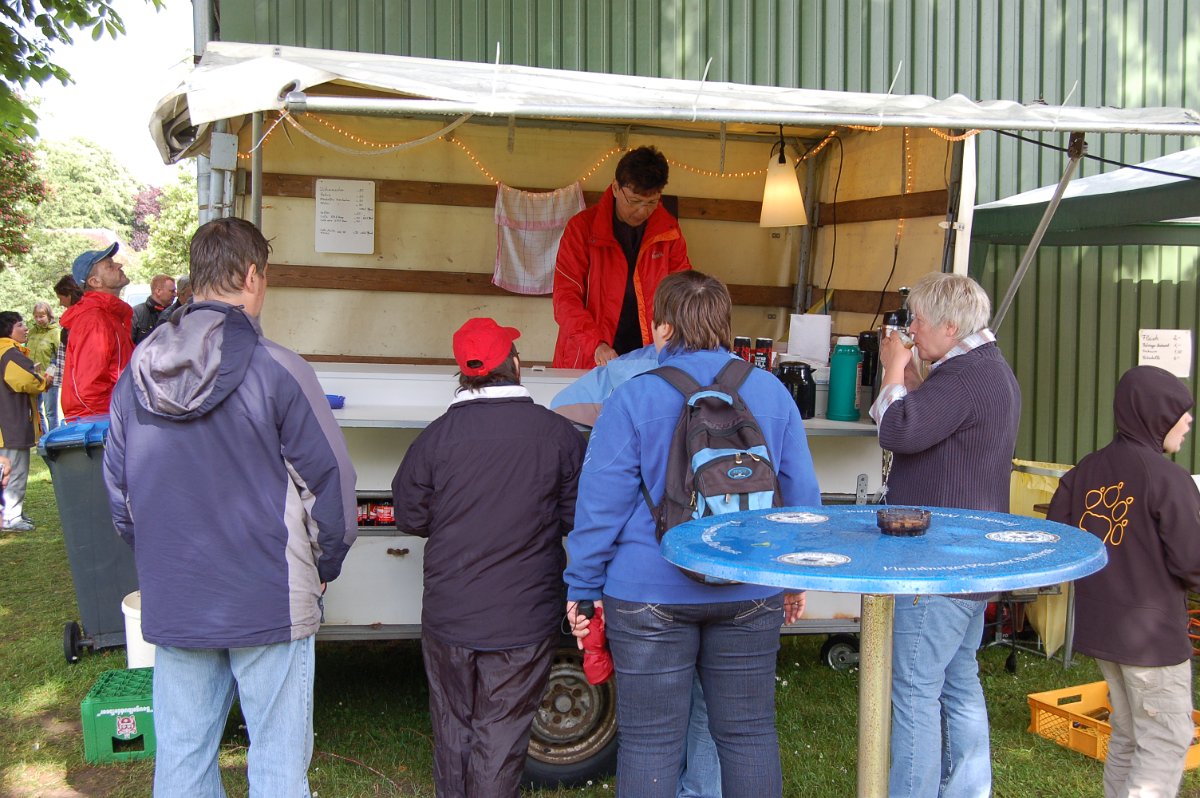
<point>345,216</point>
<point>1167,349</point>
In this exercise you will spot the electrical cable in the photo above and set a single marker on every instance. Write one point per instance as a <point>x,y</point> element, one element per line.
<point>833,224</point>
<point>1098,159</point>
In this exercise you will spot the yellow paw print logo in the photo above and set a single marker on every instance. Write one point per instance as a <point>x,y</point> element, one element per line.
<point>1105,512</point>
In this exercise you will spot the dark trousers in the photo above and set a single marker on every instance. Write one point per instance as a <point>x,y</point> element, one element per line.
<point>481,704</point>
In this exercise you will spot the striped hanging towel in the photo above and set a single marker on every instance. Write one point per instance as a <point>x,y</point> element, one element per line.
<point>528,228</point>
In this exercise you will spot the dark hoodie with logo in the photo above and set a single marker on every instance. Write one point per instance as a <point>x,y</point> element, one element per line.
<point>1146,509</point>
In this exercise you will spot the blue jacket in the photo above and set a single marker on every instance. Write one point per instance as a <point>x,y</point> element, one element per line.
<point>229,477</point>
<point>613,550</point>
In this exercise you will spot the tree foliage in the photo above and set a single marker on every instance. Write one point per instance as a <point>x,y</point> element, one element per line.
<point>87,188</point>
<point>28,35</point>
<point>145,208</point>
<point>21,191</point>
<point>171,231</point>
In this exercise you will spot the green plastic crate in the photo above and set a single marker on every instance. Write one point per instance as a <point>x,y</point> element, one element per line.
<point>118,716</point>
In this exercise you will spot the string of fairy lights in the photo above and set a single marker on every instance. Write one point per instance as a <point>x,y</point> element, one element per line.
<point>368,146</point>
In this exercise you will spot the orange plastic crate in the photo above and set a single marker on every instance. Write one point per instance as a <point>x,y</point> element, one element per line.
<point>1069,718</point>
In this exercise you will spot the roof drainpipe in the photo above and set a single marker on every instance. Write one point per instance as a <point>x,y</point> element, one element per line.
<point>202,28</point>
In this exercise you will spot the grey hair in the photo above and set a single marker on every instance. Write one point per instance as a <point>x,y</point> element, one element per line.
<point>951,298</point>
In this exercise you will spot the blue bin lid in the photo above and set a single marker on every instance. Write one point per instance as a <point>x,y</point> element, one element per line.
<point>88,431</point>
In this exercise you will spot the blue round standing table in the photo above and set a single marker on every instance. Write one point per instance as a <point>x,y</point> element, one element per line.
<point>839,548</point>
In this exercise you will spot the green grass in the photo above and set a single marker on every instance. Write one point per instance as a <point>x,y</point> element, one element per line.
<point>371,720</point>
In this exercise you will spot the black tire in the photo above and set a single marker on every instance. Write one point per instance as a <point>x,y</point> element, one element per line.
<point>574,737</point>
<point>72,637</point>
<point>840,652</point>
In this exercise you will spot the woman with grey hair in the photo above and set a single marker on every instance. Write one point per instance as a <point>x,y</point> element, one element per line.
<point>952,436</point>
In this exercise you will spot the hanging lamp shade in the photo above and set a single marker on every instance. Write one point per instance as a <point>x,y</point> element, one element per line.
<point>782,204</point>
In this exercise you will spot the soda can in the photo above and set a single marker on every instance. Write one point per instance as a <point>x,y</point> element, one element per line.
<point>741,347</point>
<point>762,352</point>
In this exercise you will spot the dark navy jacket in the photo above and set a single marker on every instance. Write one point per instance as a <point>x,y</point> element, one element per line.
<point>228,475</point>
<point>492,485</point>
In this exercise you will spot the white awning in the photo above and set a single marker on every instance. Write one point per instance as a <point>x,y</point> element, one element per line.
<point>233,79</point>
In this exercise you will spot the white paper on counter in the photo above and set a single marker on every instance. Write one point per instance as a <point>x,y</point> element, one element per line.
<point>808,338</point>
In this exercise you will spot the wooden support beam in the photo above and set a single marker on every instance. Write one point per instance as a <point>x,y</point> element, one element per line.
<point>849,301</point>
<point>474,195</point>
<point>472,283</point>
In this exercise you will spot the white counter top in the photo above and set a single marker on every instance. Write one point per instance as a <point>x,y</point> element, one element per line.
<point>410,397</point>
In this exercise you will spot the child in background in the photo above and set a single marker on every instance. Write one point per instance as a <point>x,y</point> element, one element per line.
<point>1132,614</point>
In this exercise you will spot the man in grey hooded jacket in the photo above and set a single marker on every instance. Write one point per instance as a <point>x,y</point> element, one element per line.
<point>235,434</point>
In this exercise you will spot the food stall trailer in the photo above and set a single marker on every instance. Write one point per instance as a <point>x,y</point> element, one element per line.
<point>376,178</point>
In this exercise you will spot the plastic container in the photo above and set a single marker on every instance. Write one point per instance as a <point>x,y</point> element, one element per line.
<point>844,376</point>
<point>102,566</point>
<point>1076,718</point>
<point>118,717</point>
<point>138,653</point>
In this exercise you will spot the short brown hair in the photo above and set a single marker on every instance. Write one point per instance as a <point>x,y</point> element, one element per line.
<point>66,286</point>
<point>698,307</point>
<point>221,251</point>
<point>504,374</point>
<point>156,282</point>
<point>643,169</point>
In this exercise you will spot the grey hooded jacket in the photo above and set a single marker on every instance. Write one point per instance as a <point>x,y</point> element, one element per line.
<point>229,477</point>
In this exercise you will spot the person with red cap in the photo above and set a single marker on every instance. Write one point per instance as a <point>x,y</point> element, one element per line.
<point>491,485</point>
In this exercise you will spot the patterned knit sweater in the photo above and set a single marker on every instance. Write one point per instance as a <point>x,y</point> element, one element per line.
<point>953,438</point>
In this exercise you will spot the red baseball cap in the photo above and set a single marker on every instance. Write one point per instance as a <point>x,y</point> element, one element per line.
<point>481,345</point>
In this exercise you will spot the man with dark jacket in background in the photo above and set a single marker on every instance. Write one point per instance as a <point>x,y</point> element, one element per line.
<point>147,314</point>
<point>491,484</point>
<point>1132,614</point>
<point>237,431</point>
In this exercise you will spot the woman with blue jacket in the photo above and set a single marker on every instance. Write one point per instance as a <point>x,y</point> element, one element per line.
<point>663,628</point>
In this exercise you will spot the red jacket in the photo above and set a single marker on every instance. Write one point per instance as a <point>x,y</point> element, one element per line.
<point>590,277</point>
<point>98,350</point>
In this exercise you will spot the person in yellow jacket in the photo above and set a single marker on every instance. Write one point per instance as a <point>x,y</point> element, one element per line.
<point>20,425</point>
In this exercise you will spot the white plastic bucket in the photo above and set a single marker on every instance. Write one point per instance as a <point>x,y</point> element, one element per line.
<point>138,653</point>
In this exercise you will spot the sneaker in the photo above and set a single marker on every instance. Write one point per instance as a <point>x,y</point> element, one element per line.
<point>20,525</point>
<point>29,521</point>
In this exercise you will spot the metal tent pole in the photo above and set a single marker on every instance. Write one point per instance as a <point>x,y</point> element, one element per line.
<point>1076,149</point>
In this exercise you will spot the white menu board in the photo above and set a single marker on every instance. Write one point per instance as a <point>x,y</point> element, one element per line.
<point>345,216</point>
<point>1167,349</point>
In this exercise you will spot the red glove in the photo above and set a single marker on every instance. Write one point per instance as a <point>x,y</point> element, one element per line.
<point>597,661</point>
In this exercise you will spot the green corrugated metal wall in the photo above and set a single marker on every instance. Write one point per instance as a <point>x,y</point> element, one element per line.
<point>1066,348</point>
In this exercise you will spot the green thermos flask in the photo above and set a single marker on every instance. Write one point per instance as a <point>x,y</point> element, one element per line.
<point>845,369</point>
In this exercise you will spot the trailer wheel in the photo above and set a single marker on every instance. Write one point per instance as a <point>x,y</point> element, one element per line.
<point>840,652</point>
<point>72,638</point>
<point>574,737</point>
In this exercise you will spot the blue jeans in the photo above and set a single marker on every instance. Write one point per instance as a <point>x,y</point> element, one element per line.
<point>940,743</point>
<point>193,691</point>
<point>657,650</point>
<point>49,408</point>
<point>701,776</point>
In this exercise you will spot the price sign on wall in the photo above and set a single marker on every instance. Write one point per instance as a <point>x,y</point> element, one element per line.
<point>345,216</point>
<point>1167,349</point>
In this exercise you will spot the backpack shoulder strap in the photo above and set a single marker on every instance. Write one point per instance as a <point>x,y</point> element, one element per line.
<point>733,374</point>
<point>677,378</point>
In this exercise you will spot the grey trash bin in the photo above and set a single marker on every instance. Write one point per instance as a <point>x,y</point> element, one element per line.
<point>102,566</point>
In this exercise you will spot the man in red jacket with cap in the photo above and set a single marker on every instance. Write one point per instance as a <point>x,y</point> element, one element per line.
<point>101,340</point>
<point>611,259</point>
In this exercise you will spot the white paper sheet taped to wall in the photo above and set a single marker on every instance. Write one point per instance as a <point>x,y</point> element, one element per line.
<point>808,338</point>
<point>1167,349</point>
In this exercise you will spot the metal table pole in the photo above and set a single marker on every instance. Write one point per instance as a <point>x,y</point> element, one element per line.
<point>874,695</point>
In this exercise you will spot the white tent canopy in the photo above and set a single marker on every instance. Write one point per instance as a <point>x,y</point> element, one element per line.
<point>234,79</point>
